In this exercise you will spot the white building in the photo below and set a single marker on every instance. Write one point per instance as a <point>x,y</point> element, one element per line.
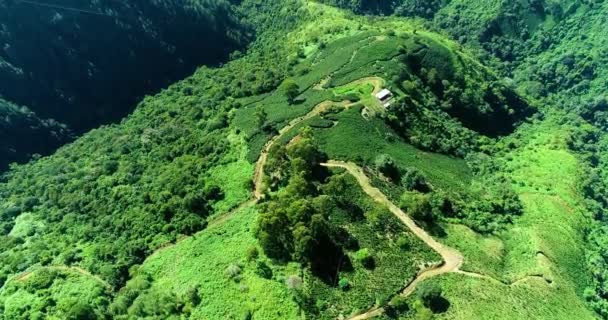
<point>385,97</point>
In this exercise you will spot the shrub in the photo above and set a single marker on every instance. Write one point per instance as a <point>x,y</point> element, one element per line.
<point>247,315</point>
<point>252,253</point>
<point>344,284</point>
<point>442,205</point>
<point>291,90</point>
<point>10,213</point>
<point>320,123</point>
<point>365,258</point>
<point>294,282</point>
<point>414,180</point>
<point>398,305</point>
<point>192,296</point>
<point>30,202</point>
<point>387,166</point>
<point>429,294</point>
<point>263,270</point>
<point>404,243</point>
<point>399,302</point>
<point>418,206</point>
<point>233,272</point>
<point>80,311</point>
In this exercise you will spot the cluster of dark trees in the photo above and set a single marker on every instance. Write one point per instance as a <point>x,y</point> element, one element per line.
<point>406,8</point>
<point>293,222</point>
<point>449,106</point>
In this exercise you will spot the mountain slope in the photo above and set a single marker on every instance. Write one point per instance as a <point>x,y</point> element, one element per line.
<point>88,69</point>
<point>155,217</point>
<point>88,63</point>
<point>23,134</point>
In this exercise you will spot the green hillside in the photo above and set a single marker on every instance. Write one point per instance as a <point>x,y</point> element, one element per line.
<point>279,186</point>
<point>88,63</point>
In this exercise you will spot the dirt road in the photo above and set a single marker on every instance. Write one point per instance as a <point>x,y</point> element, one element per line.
<point>452,259</point>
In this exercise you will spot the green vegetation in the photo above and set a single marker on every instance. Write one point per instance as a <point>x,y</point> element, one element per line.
<point>406,8</point>
<point>344,141</point>
<point>213,199</point>
<point>324,222</point>
<point>63,292</point>
<point>211,276</point>
<point>94,47</point>
<point>453,191</point>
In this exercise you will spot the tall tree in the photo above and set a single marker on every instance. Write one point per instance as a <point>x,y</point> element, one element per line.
<point>291,90</point>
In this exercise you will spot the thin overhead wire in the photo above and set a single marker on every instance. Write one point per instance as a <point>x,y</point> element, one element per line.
<point>55,6</point>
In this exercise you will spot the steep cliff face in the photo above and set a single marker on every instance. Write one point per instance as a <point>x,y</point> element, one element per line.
<point>85,63</point>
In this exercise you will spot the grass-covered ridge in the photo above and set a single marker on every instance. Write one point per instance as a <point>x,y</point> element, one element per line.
<point>539,258</point>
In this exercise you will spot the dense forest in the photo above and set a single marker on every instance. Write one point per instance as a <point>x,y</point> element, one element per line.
<point>271,183</point>
<point>24,134</point>
<point>89,63</point>
<point>408,8</point>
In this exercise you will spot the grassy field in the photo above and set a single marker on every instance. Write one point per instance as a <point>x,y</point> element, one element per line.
<point>545,242</point>
<point>360,140</point>
<point>474,298</point>
<point>234,176</point>
<point>204,259</point>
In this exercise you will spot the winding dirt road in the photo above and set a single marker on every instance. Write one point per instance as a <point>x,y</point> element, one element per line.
<point>452,259</point>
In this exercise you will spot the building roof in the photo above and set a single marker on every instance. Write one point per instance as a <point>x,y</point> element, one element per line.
<point>383,94</point>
